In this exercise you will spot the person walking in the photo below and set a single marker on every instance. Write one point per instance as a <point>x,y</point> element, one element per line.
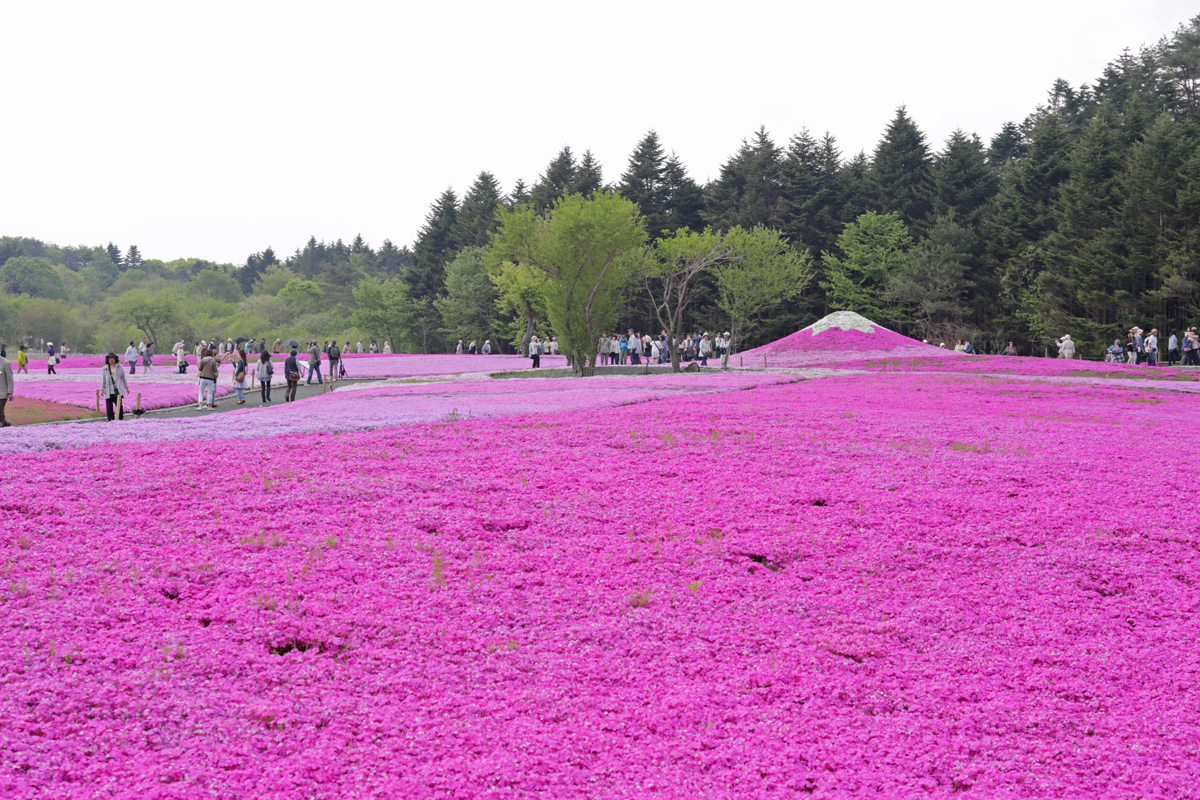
<point>51,358</point>
<point>22,360</point>
<point>6,386</point>
<point>148,358</point>
<point>131,358</point>
<point>1173,348</point>
<point>473,348</point>
<point>335,356</point>
<point>706,350</point>
<point>458,348</point>
<point>1151,345</point>
<point>387,347</point>
<point>359,347</point>
<point>114,387</point>
<point>723,349</point>
<point>209,368</point>
<point>487,347</point>
<point>264,370</point>
<point>240,382</point>
<point>1066,348</point>
<point>314,365</point>
<point>291,372</point>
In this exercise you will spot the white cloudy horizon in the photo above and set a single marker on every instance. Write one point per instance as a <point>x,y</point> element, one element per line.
<point>216,131</point>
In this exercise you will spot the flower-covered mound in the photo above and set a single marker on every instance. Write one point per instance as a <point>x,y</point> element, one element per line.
<point>869,585</point>
<point>840,337</point>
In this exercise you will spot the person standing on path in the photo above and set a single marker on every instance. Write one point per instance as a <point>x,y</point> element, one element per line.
<point>1066,348</point>
<point>314,365</point>
<point>131,357</point>
<point>1151,345</point>
<point>1173,349</point>
<point>458,348</point>
<point>291,371</point>
<point>387,347</point>
<point>360,347</point>
<point>535,352</point>
<point>148,358</point>
<point>487,347</point>
<point>51,359</point>
<point>240,384</point>
<point>335,355</point>
<point>706,350</point>
<point>723,349</point>
<point>113,386</point>
<point>264,370</point>
<point>6,386</point>
<point>209,368</point>
<point>22,360</point>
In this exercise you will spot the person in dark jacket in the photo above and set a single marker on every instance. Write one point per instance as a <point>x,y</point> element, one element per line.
<point>291,371</point>
<point>114,387</point>
<point>335,355</point>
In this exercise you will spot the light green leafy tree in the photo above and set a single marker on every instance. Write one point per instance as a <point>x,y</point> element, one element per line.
<point>521,298</point>
<point>588,250</point>
<point>871,248</point>
<point>34,276</point>
<point>468,308</point>
<point>385,311</point>
<point>761,272</point>
<point>154,313</point>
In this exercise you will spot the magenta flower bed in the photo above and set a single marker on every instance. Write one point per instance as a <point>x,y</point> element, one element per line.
<point>386,406</point>
<point>1022,365</point>
<point>867,585</point>
<point>835,346</point>
<point>83,394</point>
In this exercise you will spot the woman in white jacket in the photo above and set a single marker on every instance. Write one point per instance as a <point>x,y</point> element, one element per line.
<point>113,386</point>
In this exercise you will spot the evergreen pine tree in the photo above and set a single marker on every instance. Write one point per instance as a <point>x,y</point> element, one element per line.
<point>359,245</point>
<point>558,179</point>
<point>477,216</point>
<point>1007,147</point>
<point>902,172</point>
<point>747,191</point>
<point>1082,289</point>
<point>518,196</point>
<point>133,258</point>
<point>810,205</point>
<point>588,177</point>
<point>435,245</point>
<point>857,187</point>
<point>644,182</point>
<point>683,203</point>
<point>114,254</point>
<point>963,181</point>
<point>392,260</point>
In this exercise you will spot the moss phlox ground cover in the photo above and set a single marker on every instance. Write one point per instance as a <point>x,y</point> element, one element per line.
<point>876,584</point>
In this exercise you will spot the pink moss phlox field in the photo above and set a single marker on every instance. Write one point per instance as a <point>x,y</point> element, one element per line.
<point>385,406</point>
<point>833,346</point>
<point>83,394</point>
<point>868,585</point>
<point>1023,365</point>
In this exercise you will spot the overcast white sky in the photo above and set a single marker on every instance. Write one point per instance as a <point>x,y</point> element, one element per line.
<point>216,129</point>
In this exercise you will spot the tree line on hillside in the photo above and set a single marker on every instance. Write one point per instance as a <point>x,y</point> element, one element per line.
<point>1082,219</point>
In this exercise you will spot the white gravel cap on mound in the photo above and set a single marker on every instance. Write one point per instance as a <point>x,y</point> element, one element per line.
<point>846,320</point>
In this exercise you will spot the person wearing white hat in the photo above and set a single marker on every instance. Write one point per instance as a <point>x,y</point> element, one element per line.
<point>1066,348</point>
<point>535,352</point>
<point>723,349</point>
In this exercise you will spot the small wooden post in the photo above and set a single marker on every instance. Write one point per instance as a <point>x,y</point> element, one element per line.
<point>764,360</point>
<point>120,406</point>
<point>741,362</point>
<point>97,401</point>
<point>139,401</point>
